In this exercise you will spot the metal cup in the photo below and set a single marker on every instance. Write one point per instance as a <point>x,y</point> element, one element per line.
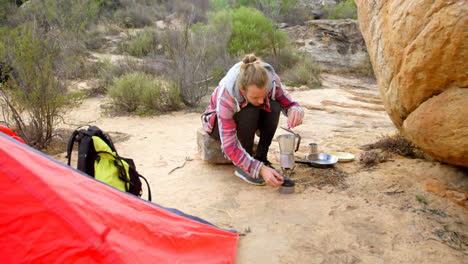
<point>313,148</point>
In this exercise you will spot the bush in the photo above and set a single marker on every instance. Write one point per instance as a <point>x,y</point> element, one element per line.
<point>140,92</point>
<point>94,40</point>
<point>106,71</point>
<point>128,89</point>
<point>293,13</point>
<point>194,10</point>
<point>140,45</point>
<point>252,32</point>
<point>196,54</point>
<point>219,5</point>
<point>285,60</point>
<point>134,16</point>
<point>345,9</point>
<point>106,75</point>
<point>35,96</point>
<point>150,95</point>
<point>305,72</point>
<point>288,11</point>
<point>8,9</point>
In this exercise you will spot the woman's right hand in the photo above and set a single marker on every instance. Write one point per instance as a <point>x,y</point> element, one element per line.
<point>271,176</point>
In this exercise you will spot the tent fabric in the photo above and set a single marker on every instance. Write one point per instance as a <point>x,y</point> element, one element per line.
<point>9,132</point>
<point>52,213</point>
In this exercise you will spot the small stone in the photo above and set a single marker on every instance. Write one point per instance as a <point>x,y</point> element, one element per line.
<point>210,148</point>
<point>303,88</point>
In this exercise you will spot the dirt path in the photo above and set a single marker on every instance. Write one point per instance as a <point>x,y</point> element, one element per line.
<point>347,214</point>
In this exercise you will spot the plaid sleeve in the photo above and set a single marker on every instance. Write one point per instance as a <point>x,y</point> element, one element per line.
<point>226,108</point>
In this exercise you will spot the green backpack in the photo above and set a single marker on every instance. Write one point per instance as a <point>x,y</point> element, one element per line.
<point>98,158</point>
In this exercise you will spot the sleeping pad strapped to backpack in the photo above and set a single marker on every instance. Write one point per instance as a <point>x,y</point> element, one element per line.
<point>98,158</point>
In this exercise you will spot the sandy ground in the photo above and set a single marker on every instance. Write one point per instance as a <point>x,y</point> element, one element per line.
<point>344,214</point>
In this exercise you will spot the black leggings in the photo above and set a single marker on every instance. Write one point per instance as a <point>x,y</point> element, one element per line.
<point>248,120</point>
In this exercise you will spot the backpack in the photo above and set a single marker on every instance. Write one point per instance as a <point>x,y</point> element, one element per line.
<point>98,158</point>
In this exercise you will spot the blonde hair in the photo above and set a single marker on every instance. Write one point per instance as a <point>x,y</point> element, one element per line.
<point>252,72</point>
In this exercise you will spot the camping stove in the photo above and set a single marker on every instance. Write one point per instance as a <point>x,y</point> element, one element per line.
<point>288,185</point>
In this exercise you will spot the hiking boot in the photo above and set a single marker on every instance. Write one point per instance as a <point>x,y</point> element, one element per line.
<point>245,176</point>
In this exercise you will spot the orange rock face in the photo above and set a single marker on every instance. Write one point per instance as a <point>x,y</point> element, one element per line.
<point>419,51</point>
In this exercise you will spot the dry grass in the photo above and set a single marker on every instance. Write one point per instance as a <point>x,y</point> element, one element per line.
<point>372,158</point>
<point>395,144</point>
<point>306,176</point>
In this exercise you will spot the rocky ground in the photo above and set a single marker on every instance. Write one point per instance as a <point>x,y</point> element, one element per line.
<point>399,211</point>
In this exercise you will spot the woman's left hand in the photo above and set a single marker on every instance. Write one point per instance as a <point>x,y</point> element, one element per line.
<point>294,118</point>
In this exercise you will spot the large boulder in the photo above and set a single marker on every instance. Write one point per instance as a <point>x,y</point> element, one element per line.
<point>418,49</point>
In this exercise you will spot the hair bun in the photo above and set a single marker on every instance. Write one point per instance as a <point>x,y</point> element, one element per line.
<point>249,58</point>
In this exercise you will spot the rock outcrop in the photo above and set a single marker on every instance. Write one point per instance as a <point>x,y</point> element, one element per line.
<point>419,50</point>
<point>334,43</point>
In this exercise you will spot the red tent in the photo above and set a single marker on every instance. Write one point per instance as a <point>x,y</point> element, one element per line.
<point>10,133</point>
<point>52,213</point>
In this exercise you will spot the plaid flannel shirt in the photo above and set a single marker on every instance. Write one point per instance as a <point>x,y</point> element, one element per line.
<point>223,106</point>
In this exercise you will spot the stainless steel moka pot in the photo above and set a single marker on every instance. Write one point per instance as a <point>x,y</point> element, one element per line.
<point>287,148</point>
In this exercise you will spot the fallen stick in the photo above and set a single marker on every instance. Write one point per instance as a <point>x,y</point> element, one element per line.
<point>178,167</point>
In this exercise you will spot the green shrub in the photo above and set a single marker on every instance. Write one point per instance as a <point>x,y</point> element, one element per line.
<point>140,45</point>
<point>106,71</point>
<point>8,9</point>
<point>218,5</point>
<point>128,89</point>
<point>150,95</point>
<point>94,40</point>
<point>105,76</point>
<point>252,32</point>
<point>345,9</point>
<point>305,72</point>
<point>112,30</point>
<point>140,92</point>
<point>173,96</point>
<point>35,96</point>
<point>287,11</point>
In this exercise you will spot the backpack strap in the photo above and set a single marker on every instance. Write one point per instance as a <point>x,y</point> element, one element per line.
<point>147,185</point>
<point>86,153</point>
<point>71,141</point>
<point>135,186</point>
<point>124,177</point>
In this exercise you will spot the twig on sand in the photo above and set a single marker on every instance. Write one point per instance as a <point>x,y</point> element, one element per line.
<point>394,192</point>
<point>178,167</point>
